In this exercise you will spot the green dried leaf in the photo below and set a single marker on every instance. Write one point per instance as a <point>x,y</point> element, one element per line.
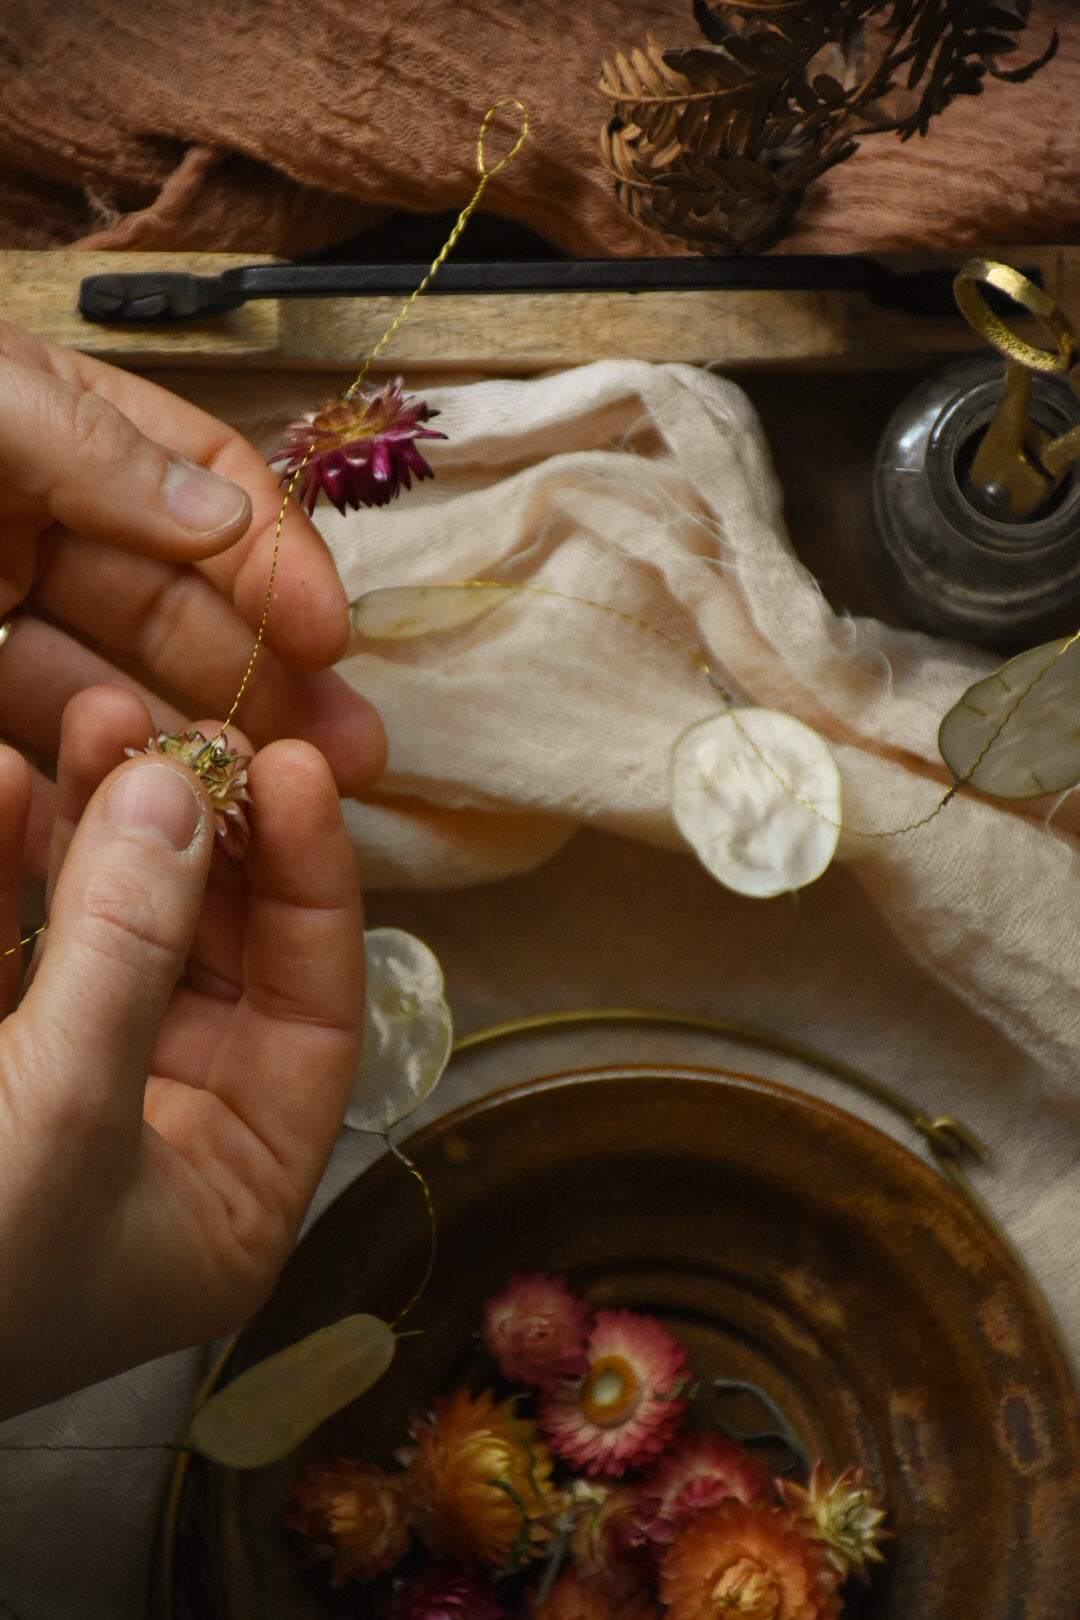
<point>266,1411</point>
<point>399,612</point>
<point>1016,734</point>
<point>757,796</point>
<point>408,1031</point>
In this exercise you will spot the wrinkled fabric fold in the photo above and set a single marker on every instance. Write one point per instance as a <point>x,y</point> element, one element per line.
<point>649,491</point>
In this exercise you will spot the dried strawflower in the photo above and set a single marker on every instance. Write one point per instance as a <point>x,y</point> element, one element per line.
<point>536,1329</point>
<point>480,1482</point>
<point>223,773</point>
<point>841,1513</point>
<point>360,451</point>
<point>699,1471</point>
<point>625,1409</point>
<point>446,1592</point>
<point>746,1559</point>
<point>608,1543</point>
<point>571,1598</point>
<point>351,1516</point>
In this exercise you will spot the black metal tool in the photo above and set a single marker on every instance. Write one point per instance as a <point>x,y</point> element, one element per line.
<point>131,298</point>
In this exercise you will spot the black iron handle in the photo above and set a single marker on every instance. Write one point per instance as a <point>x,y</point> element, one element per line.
<point>126,298</point>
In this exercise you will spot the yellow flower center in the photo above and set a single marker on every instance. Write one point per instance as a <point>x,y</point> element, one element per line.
<point>611,1391</point>
<point>747,1589</point>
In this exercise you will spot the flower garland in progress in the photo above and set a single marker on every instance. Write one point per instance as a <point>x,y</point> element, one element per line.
<point>359,449</point>
<point>573,1487</point>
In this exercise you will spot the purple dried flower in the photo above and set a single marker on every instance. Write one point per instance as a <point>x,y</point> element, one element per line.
<point>359,451</point>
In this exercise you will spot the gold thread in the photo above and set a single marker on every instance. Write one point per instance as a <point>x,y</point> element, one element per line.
<point>429,1205</point>
<point>27,939</point>
<point>459,225</point>
<point>725,696</point>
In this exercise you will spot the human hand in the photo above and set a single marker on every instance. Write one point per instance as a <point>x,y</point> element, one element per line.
<point>115,584</point>
<point>174,1078</point>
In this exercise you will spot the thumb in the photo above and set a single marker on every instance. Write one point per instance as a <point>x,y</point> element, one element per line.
<point>87,466</point>
<point>123,915</point>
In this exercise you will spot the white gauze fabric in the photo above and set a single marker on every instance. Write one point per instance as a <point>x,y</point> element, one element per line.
<point>649,489</point>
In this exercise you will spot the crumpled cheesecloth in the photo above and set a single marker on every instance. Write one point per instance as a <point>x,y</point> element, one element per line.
<point>267,126</point>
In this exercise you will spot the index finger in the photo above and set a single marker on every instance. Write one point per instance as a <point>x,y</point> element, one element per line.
<point>286,1064</point>
<point>308,625</point>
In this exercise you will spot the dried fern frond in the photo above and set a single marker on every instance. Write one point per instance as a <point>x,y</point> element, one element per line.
<point>715,145</point>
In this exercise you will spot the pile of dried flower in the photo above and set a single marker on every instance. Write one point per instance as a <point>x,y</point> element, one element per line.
<point>575,1491</point>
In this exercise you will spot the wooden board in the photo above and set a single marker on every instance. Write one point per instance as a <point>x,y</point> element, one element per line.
<point>501,332</point>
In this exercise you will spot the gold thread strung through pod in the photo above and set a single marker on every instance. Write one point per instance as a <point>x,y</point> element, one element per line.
<point>731,707</point>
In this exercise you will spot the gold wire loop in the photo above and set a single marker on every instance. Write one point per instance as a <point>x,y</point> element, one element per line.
<point>508,101</point>
<point>978,314</point>
<point>459,225</point>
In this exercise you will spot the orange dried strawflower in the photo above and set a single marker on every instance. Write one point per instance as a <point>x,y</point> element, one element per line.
<point>480,1482</point>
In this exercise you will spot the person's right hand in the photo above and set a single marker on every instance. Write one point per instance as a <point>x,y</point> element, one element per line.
<point>136,537</point>
<point>175,1076</point>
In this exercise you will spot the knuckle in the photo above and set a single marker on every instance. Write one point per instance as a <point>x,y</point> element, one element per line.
<point>124,920</point>
<point>98,431</point>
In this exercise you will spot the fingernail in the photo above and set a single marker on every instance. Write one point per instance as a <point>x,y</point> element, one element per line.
<point>200,500</point>
<point>158,801</point>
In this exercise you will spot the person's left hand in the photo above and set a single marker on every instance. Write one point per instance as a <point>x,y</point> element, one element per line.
<point>112,583</point>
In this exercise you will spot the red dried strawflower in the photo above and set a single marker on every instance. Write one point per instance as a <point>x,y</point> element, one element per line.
<point>359,451</point>
<point>628,1405</point>
<point>699,1471</point>
<point>446,1592</point>
<point>352,1517</point>
<point>746,1561</point>
<point>535,1328</point>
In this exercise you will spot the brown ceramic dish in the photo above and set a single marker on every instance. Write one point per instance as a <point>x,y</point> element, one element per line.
<point>785,1241</point>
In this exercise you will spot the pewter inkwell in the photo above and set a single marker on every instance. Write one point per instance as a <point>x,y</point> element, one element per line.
<point>976,501</point>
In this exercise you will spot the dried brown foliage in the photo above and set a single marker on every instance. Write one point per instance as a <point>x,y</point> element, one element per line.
<point>715,145</point>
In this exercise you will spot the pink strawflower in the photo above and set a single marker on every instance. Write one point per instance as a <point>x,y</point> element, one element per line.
<point>350,1516</point>
<point>625,1409</point>
<point>698,1472</point>
<point>608,1544</point>
<point>446,1592</point>
<point>359,451</point>
<point>536,1329</point>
